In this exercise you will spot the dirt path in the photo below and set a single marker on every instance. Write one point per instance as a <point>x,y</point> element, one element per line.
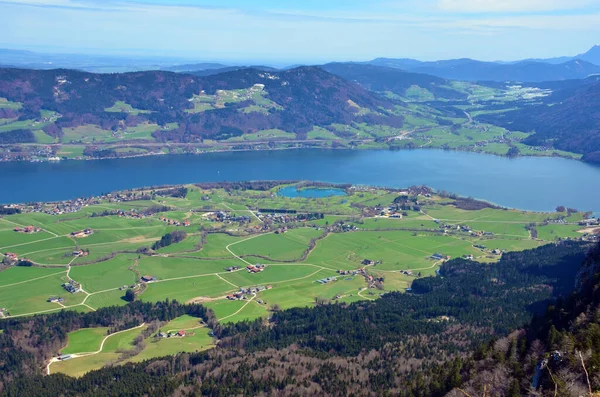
<point>241,308</point>
<point>241,241</point>
<point>42,229</point>
<point>33,279</point>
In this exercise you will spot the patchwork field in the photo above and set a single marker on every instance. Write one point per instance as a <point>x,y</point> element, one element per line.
<point>356,246</point>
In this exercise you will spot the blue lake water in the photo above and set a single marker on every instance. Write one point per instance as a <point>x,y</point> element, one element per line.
<point>533,183</point>
<point>292,192</point>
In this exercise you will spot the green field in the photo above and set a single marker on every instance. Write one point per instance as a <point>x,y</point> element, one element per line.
<point>195,269</point>
<point>87,342</point>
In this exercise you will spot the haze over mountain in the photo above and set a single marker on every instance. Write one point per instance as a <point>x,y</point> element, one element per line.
<point>471,70</point>
<point>528,70</point>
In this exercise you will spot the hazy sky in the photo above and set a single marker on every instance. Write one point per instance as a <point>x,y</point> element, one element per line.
<point>304,30</point>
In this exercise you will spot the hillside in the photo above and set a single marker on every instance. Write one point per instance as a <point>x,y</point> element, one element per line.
<point>74,106</point>
<point>568,120</point>
<point>380,78</point>
<point>471,70</point>
<point>417,344</point>
<point>557,354</point>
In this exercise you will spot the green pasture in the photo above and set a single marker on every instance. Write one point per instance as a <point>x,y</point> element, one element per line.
<point>85,340</point>
<point>287,246</point>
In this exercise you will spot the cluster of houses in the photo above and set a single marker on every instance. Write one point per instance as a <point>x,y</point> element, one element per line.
<point>178,334</point>
<point>360,272</point>
<point>288,218</point>
<point>148,279</point>
<point>344,228</point>
<point>75,205</point>
<point>392,212</point>
<point>590,222</point>
<point>55,299</point>
<point>27,229</point>
<point>82,233</point>
<point>255,268</point>
<point>225,217</point>
<point>243,293</point>
<point>173,222</point>
<point>72,287</point>
<point>11,257</point>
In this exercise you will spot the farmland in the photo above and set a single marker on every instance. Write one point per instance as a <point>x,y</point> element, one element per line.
<point>92,348</point>
<point>342,248</point>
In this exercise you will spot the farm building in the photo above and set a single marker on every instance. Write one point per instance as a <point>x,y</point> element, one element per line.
<point>27,229</point>
<point>11,256</point>
<point>82,233</point>
<point>327,280</point>
<point>255,268</point>
<point>72,287</point>
<point>148,279</point>
<point>65,357</point>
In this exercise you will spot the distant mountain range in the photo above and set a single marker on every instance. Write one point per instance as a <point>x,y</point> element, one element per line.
<point>471,70</point>
<point>528,70</point>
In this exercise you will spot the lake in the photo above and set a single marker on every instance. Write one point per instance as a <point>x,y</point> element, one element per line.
<point>533,183</point>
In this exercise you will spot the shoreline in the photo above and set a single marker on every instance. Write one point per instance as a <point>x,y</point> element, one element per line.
<point>324,147</point>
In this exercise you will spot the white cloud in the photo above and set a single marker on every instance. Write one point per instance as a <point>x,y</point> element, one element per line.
<point>482,6</point>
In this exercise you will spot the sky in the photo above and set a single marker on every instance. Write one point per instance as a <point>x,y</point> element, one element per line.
<point>304,31</point>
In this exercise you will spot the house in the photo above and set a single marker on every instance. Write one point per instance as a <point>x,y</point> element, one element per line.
<point>72,287</point>
<point>438,257</point>
<point>181,333</point>
<point>11,256</point>
<point>368,262</point>
<point>161,335</point>
<point>255,268</point>
<point>186,223</point>
<point>65,357</point>
<point>53,299</point>
<point>148,279</point>
<point>232,268</point>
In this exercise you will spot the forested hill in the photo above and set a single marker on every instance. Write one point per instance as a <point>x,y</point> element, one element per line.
<point>417,344</point>
<point>558,354</point>
<point>249,100</point>
<point>380,78</point>
<point>568,120</point>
